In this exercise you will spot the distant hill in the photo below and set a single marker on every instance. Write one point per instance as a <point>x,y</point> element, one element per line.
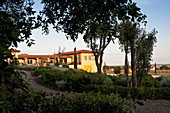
<point>160,64</point>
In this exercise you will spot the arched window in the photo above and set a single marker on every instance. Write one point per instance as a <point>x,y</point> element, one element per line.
<point>30,61</point>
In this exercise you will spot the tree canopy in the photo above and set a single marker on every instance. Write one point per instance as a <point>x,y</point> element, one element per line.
<point>17,20</point>
<point>95,19</point>
<point>79,16</point>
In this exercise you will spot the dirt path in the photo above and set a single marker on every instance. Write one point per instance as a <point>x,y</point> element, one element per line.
<point>150,106</point>
<point>38,87</point>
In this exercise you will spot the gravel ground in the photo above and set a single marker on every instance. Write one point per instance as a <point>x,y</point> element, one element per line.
<point>154,106</point>
<point>150,106</point>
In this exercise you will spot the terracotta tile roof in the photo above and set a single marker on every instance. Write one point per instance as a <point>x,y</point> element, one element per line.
<point>41,56</point>
<point>16,51</point>
<point>65,55</point>
<point>78,52</point>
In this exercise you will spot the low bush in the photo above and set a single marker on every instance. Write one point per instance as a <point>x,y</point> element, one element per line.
<point>81,81</point>
<point>57,64</point>
<point>39,102</point>
<point>122,75</point>
<point>61,84</point>
<point>65,66</point>
<point>25,67</point>
<point>165,81</point>
<point>74,80</point>
<point>59,68</point>
<point>143,93</point>
<point>121,82</point>
<point>149,81</point>
<point>41,71</point>
<point>117,69</point>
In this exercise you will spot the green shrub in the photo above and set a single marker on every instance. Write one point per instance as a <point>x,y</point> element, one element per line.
<point>165,81</point>
<point>61,84</point>
<point>113,78</point>
<point>117,69</point>
<point>121,82</point>
<point>39,102</point>
<point>65,66</point>
<point>26,67</point>
<point>44,67</point>
<point>57,64</point>
<point>80,81</point>
<point>106,80</point>
<point>41,71</point>
<point>143,93</point>
<point>122,75</point>
<point>149,81</point>
<point>59,68</point>
<point>159,78</point>
<point>76,80</point>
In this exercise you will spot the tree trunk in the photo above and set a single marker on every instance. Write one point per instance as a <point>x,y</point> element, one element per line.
<point>155,69</point>
<point>75,59</point>
<point>141,80</point>
<point>133,65</point>
<point>126,67</point>
<point>98,64</point>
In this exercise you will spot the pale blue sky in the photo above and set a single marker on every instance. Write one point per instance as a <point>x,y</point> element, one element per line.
<point>158,16</point>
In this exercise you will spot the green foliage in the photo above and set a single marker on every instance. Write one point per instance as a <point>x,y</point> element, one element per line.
<point>26,67</point>
<point>97,103</point>
<point>121,82</point>
<point>39,102</point>
<point>117,69</point>
<point>80,81</point>
<point>73,80</point>
<point>40,71</point>
<point>144,52</point>
<point>17,20</point>
<point>143,93</point>
<point>149,81</point>
<point>164,67</point>
<point>94,13</point>
<point>61,84</point>
<point>65,66</point>
<point>97,22</point>
<point>106,80</point>
<point>165,81</point>
<point>59,68</point>
<point>122,75</point>
<point>57,64</point>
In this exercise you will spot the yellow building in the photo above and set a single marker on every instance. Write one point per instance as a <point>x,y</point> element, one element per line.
<point>85,60</point>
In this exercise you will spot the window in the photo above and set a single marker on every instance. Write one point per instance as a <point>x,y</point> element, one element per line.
<point>85,57</point>
<point>29,61</point>
<point>89,57</point>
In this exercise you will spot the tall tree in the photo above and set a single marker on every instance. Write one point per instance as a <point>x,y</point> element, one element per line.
<point>128,33</point>
<point>75,58</point>
<point>98,41</point>
<point>124,43</point>
<point>95,19</point>
<point>17,20</point>
<point>144,51</point>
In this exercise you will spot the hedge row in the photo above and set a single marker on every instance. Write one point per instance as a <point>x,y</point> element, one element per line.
<point>136,93</point>
<point>77,81</point>
<point>77,103</point>
<point>70,79</point>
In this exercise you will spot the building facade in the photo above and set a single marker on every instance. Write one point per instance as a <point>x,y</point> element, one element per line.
<point>85,60</point>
